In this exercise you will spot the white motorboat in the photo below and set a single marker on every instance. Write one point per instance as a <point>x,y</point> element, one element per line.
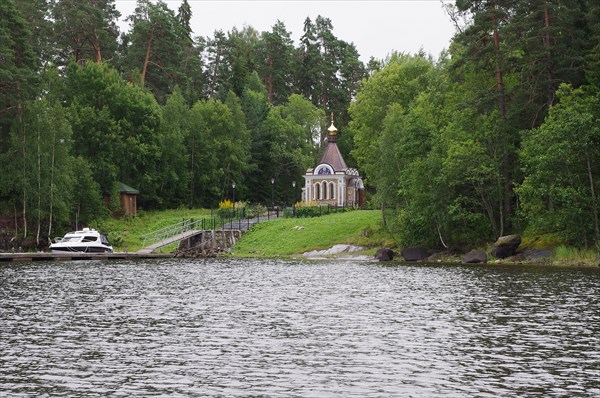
<point>88,240</point>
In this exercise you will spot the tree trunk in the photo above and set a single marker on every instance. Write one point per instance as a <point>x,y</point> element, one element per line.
<point>77,216</point>
<point>499,75</point>
<point>270,79</point>
<point>323,131</point>
<point>192,176</point>
<point>594,201</point>
<point>213,82</point>
<point>16,222</point>
<point>39,191</point>
<point>440,235</point>
<point>147,57</point>
<point>52,184</point>
<point>506,161</point>
<point>501,223</point>
<point>549,68</point>
<point>489,210</point>
<point>24,176</point>
<point>96,45</point>
<point>550,197</point>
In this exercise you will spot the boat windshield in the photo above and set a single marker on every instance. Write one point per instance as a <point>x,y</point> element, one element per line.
<point>104,240</point>
<point>71,239</point>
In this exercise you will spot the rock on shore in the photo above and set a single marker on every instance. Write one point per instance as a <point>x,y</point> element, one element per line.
<point>506,246</point>
<point>384,254</point>
<point>475,257</point>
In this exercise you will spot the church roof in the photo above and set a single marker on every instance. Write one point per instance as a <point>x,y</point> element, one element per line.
<point>333,157</point>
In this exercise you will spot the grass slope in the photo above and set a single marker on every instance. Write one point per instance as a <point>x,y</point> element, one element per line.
<point>126,234</point>
<point>290,236</point>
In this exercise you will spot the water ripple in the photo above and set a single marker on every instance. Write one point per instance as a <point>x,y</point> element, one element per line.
<point>233,328</point>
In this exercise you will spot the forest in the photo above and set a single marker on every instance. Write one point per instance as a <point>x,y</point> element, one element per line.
<point>498,134</point>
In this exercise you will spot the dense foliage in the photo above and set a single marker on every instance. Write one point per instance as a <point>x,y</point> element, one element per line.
<point>498,135</point>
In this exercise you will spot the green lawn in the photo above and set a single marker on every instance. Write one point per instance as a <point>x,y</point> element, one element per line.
<point>281,237</point>
<point>290,236</point>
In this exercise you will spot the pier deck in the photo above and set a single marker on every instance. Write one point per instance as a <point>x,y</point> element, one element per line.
<point>7,257</point>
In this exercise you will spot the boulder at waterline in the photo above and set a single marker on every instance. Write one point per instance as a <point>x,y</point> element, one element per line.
<point>506,246</point>
<point>414,254</point>
<point>474,257</point>
<point>335,249</point>
<point>384,254</point>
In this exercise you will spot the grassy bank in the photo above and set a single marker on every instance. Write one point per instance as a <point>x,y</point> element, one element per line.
<point>282,237</point>
<point>290,236</point>
<point>293,236</point>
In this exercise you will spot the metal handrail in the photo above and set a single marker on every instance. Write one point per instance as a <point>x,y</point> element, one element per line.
<point>172,230</point>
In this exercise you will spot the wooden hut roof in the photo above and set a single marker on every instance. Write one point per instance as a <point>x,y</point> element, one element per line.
<point>123,188</point>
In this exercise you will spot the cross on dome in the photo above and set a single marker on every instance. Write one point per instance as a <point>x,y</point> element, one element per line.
<point>332,130</point>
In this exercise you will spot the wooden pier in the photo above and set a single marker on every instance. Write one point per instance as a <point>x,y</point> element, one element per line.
<point>40,256</point>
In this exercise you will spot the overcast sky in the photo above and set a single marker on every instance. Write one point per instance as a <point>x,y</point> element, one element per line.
<point>376,27</point>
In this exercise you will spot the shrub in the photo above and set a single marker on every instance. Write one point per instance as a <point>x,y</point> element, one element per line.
<point>115,239</point>
<point>256,210</point>
<point>288,213</point>
<point>574,255</point>
<point>225,209</point>
<point>309,209</point>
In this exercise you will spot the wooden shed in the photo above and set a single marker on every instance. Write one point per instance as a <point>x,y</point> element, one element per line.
<point>128,199</point>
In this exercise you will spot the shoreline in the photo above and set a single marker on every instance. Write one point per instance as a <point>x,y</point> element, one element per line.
<point>357,256</point>
<point>400,261</point>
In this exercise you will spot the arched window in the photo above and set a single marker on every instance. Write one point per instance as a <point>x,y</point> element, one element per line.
<point>323,190</point>
<point>332,190</point>
<point>316,191</point>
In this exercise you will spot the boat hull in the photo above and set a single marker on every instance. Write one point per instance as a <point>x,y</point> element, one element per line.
<point>80,249</point>
<point>58,248</point>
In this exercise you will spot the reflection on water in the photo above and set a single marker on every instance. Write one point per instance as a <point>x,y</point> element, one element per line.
<point>182,328</point>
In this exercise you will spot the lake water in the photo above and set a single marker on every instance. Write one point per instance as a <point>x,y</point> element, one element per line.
<point>233,328</point>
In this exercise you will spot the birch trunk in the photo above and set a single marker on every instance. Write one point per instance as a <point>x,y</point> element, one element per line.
<point>506,163</point>
<point>594,201</point>
<point>52,184</point>
<point>24,170</point>
<point>39,189</point>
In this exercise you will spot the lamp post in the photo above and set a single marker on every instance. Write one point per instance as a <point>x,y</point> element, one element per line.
<point>294,198</point>
<point>233,186</point>
<point>272,193</point>
<point>294,186</point>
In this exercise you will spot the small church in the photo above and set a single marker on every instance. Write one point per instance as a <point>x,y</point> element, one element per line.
<point>331,182</point>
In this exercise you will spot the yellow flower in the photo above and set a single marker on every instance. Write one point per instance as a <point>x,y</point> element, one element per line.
<point>306,204</point>
<point>226,204</point>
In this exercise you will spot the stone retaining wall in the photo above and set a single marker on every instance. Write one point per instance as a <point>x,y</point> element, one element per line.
<point>208,243</point>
